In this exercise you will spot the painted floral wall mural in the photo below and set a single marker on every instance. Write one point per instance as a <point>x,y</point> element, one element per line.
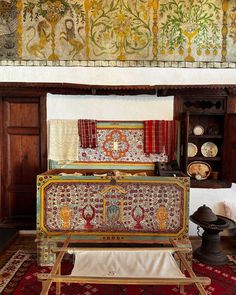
<point>190,30</point>
<point>164,33</point>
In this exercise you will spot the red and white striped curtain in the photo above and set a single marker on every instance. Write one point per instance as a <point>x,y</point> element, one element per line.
<point>160,136</point>
<point>88,133</point>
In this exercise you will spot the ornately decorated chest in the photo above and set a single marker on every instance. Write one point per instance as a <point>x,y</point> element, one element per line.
<point>108,209</point>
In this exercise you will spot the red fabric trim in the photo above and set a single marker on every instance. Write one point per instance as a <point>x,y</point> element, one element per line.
<point>160,136</point>
<point>88,133</point>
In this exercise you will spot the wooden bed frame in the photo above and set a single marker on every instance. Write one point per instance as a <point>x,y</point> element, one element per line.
<point>180,253</point>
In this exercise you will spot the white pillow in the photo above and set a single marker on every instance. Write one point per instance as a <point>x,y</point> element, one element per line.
<point>230,210</point>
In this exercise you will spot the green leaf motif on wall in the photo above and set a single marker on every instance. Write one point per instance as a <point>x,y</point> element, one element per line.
<point>190,29</point>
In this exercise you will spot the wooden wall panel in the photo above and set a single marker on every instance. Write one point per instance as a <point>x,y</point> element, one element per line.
<point>23,157</point>
<point>229,162</point>
<point>22,207</point>
<point>22,114</point>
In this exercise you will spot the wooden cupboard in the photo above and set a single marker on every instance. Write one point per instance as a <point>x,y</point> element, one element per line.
<point>208,137</point>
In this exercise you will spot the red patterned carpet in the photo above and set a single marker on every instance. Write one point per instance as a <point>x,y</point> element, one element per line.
<point>20,278</point>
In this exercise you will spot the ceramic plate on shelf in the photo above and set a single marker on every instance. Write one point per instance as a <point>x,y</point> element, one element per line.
<point>209,149</point>
<point>192,149</point>
<point>199,170</point>
<point>198,130</point>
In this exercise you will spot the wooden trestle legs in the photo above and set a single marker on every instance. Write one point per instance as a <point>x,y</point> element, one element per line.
<point>55,274</point>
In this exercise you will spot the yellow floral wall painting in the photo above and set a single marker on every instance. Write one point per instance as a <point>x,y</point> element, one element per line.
<point>159,33</point>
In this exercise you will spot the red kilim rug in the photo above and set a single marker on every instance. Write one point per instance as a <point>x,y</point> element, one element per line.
<point>19,277</point>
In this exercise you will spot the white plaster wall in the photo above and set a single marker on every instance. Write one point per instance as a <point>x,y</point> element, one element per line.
<point>212,198</point>
<point>140,107</point>
<point>117,76</point>
<point>134,108</point>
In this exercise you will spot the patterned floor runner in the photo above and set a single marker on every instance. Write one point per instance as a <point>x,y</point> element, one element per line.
<point>19,277</point>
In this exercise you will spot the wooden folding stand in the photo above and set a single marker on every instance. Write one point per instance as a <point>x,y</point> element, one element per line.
<point>55,274</point>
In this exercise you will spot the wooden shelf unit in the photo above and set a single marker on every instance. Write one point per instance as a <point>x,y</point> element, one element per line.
<point>210,111</point>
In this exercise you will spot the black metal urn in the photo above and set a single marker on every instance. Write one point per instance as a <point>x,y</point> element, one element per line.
<point>210,251</point>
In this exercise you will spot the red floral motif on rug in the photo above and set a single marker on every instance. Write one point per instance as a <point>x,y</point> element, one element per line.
<point>21,279</point>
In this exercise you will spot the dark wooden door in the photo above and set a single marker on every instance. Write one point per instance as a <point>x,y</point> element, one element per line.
<point>23,150</point>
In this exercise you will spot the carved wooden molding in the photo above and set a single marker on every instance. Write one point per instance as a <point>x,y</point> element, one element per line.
<point>83,89</point>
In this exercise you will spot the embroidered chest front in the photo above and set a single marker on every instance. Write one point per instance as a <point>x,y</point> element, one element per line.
<point>127,208</point>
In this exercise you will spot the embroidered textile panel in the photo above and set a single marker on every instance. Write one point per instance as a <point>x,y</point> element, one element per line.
<point>122,145</point>
<point>125,207</point>
<point>161,33</point>
<point>120,142</point>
